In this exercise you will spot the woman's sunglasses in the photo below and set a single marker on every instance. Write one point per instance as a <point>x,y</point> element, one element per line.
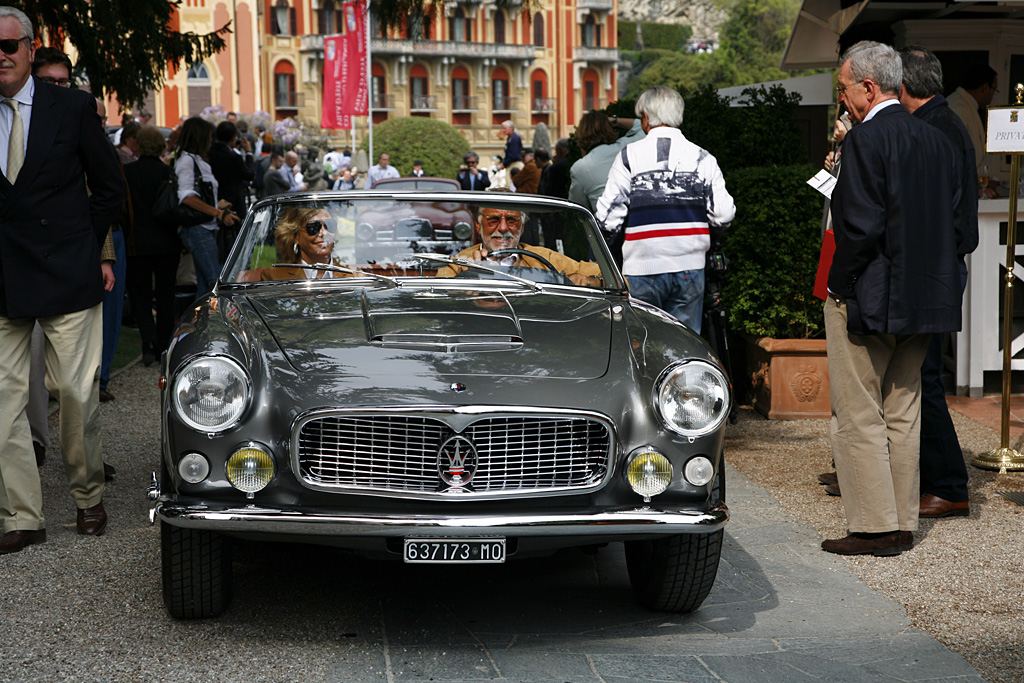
<point>313,228</point>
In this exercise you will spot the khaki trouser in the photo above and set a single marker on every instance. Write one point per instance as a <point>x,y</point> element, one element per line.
<point>74,344</point>
<point>875,390</point>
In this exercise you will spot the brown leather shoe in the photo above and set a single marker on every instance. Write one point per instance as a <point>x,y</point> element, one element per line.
<point>879,545</point>
<point>13,541</point>
<point>833,489</point>
<point>906,540</point>
<point>933,506</point>
<point>829,478</point>
<point>92,521</point>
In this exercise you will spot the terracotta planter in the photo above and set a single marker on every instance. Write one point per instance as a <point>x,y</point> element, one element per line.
<point>790,378</point>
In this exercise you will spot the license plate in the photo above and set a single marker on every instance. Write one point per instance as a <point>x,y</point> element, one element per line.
<point>454,550</point>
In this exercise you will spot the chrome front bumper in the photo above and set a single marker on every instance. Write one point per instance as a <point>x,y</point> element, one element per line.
<point>256,519</point>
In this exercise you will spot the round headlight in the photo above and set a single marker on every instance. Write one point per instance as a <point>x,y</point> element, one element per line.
<point>210,393</point>
<point>250,469</point>
<point>463,230</point>
<point>692,397</point>
<point>699,471</point>
<point>193,468</point>
<point>649,473</point>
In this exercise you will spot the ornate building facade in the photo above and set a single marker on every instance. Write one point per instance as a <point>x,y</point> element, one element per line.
<point>474,64</point>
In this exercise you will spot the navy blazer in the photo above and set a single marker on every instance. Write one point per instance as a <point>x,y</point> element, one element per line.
<point>893,215</point>
<point>51,228</point>
<point>482,181</point>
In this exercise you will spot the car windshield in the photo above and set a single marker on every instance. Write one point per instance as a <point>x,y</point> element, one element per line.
<point>485,236</point>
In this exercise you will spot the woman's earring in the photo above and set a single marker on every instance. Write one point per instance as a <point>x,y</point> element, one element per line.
<point>295,247</point>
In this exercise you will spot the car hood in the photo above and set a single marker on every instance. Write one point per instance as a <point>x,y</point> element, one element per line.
<point>408,331</point>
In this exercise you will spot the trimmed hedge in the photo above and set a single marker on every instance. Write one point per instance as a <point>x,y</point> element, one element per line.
<point>439,145</point>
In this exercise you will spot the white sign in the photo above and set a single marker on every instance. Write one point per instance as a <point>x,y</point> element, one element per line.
<point>1005,130</point>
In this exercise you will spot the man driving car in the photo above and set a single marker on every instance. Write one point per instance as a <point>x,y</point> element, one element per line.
<point>501,229</point>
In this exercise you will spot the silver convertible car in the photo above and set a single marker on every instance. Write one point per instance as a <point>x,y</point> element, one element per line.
<point>499,400</point>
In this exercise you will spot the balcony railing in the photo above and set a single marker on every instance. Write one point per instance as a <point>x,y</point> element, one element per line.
<point>423,103</point>
<point>289,100</point>
<point>463,103</point>
<point>312,43</point>
<point>382,102</point>
<point>451,48</point>
<point>595,54</point>
<point>503,104</point>
<point>544,105</point>
<point>599,5</point>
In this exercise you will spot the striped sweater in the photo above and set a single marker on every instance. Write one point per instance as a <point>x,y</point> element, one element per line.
<point>665,192</point>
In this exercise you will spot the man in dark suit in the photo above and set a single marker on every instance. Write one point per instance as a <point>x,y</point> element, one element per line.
<point>53,154</point>
<point>233,171</point>
<point>894,282</point>
<point>471,176</point>
<point>943,472</point>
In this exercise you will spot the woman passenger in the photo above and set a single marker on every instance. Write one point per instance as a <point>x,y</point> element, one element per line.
<point>304,237</point>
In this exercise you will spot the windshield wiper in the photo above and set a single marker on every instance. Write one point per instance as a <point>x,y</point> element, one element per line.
<point>341,269</point>
<point>477,265</point>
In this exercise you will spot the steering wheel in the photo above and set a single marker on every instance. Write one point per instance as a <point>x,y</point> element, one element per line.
<point>530,254</point>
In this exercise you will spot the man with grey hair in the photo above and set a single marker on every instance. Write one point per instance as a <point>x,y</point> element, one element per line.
<point>943,473</point>
<point>513,143</point>
<point>894,281</point>
<point>60,192</point>
<point>667,194</point>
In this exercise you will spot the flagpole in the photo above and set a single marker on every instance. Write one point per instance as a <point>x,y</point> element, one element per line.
<point>369,84</point>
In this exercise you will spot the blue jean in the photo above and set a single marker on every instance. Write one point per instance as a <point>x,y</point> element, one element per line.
<point>681,294</point>
<point>113,308</point>
<point>202,244</point>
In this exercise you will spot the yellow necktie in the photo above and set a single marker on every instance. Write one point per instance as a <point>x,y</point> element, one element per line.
<point>16,144</point>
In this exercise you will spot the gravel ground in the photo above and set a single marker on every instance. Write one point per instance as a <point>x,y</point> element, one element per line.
<point>962,582</point>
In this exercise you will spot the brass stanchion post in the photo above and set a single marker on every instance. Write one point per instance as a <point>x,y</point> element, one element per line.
<point>1005,458</point>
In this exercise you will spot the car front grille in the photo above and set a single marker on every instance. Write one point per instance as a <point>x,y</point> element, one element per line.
<point>401,454</point>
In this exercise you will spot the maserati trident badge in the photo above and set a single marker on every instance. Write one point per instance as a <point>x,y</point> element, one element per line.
<point>456,461</point>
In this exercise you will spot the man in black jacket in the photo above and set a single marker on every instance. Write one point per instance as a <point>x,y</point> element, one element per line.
<point>232,164</point>
<point>894,282</point>
<point>943,473</point>
<point>60,192</point>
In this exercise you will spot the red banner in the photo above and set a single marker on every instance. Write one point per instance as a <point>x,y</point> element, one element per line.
<point>345,86</point>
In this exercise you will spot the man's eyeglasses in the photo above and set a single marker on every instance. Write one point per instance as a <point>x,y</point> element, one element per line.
<point>11,45</point>
<point>471,163</point>
<point>313,228</point>
<point>62,82</point>
<point>495,221</point>
<point>840,89</point>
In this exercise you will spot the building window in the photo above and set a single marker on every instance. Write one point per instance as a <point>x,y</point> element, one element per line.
<point>418,27</point>
<point>419,93</point>
<point>198,75</point>
<point>591,35</point>
<point>285,96</point>
<point>379,92</point>
<point>330,21</point>
<point>460,27</point>
<point>591,91</point>
<point>460,94</point>
<point>499,27</point>
<point>199,92</point>
<point>282,19</point>
<point>500,94</point>
<point>538,30</point>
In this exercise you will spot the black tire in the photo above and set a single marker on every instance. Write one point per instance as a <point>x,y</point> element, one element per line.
<point>676,573</point>
<point>196,572</point>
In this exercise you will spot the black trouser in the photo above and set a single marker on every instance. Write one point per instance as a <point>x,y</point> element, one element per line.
<point>943,472</point>
<point>142,271</point>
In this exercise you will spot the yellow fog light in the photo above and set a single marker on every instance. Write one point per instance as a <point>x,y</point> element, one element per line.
<point>250,469</point>
<point>649,473</point>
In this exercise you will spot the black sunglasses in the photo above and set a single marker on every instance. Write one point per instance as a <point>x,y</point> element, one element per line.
<point>62,82</point>
<point>11,45</point>
<point>313,228</point>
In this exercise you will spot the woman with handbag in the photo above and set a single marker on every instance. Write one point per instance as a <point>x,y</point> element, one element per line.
<point>201,213</point>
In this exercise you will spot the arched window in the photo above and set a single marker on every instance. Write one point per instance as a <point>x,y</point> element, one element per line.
<point>591,97</point>
<point>460,27</point>
<point>499,26</point>
<point>419,94</point>
<point>500,95</point>
<point>282,19</point>
<point>379,87</point>
<point>460,89</point>
<point>539,101</point>
<point>538,30</point>
<point>285,96</point>
<point>199,92</point>
<point>590,34</point>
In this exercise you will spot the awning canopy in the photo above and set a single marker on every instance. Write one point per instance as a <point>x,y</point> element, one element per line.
<point>814,42</point>
<point>813,90</point>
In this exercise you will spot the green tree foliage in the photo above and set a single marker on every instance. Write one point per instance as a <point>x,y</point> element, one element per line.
<point>437,144</point>
<point>658,36</point>
<point>125,46</point>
